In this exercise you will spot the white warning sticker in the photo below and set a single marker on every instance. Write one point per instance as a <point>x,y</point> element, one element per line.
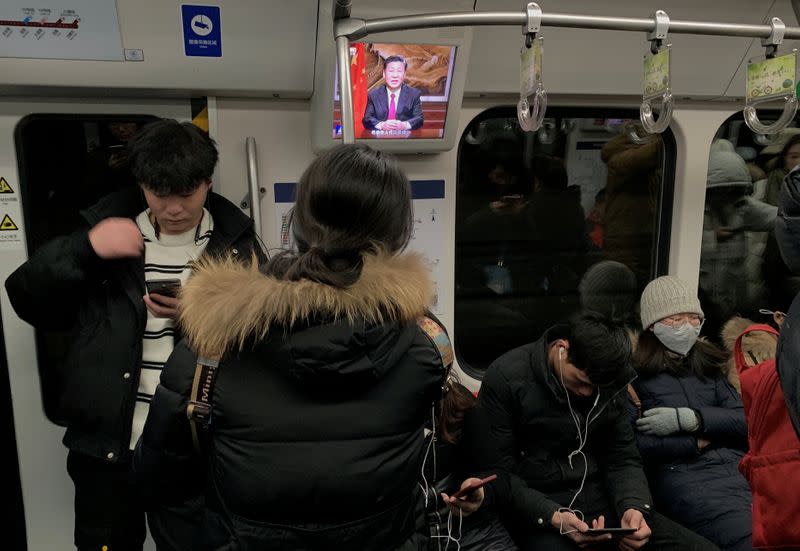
<point>11,237</point>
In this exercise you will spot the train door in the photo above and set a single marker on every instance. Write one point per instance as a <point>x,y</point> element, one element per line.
<point>56,157</point>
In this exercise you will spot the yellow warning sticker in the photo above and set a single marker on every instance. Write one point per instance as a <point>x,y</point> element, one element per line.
<point>4,187</point>
<point>8,224</point>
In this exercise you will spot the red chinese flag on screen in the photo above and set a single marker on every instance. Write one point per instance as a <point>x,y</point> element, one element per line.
<point>358,76</point>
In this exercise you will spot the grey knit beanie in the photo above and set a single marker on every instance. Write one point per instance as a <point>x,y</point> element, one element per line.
<point>666,296</point>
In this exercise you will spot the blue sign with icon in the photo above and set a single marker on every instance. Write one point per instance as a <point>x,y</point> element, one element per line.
<point>202,30</point>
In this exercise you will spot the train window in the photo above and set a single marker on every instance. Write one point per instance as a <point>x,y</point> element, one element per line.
<point>535,211</point>
<point>741,269</point>
<point>66,164</point>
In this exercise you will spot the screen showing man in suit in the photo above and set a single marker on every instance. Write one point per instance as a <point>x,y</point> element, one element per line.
<point>394,105</point>
<point>399,91</point>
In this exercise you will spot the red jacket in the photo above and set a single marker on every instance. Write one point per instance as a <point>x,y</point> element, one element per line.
<point>772,466</point>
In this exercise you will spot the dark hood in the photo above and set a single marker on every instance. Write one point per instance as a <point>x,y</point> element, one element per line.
<point>345,355</point>
<point>787,225</point>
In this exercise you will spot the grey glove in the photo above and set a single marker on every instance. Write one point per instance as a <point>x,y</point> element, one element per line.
<point>664,421</point>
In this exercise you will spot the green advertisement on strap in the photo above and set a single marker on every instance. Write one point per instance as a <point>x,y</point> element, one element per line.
<point>530,68</point>
<point>771,77</point>
<point>656,73</point>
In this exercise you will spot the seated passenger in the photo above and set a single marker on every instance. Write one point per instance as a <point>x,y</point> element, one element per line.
<point>325,382</point>
<point>93,283</point>
<point>465,453</point>
<point>691,428</point>
<point>555,411</point>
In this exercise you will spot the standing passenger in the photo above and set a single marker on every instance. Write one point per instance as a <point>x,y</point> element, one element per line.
<point>326,381</point>
<point>93,282</point>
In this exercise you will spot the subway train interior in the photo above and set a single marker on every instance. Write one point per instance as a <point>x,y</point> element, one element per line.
<point>81,76</point>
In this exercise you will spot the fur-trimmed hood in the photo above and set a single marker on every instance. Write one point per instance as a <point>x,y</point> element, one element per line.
<point>226,303</point>
<point>757,346</point>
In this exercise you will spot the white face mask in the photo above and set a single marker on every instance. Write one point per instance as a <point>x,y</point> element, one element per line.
<point>678,339</point>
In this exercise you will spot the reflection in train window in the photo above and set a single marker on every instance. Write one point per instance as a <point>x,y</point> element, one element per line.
<point>535,211</point>
<point>66,164</point>
<point>741,269</point>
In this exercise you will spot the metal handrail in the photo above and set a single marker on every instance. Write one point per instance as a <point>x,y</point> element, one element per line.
<point>349,28</point>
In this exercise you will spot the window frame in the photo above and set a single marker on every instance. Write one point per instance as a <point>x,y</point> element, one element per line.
<point>661,249</point>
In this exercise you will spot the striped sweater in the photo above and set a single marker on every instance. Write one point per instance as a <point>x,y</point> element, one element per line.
<point>165,257</point>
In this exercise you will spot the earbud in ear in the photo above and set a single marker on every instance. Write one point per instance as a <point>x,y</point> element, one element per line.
<point>561,353</point>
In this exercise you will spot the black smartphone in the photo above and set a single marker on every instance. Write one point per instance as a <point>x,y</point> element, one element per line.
<point>164,287</point>
<point>609,530</point>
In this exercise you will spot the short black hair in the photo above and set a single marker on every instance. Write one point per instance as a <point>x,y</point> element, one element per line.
<point>599,347</point>
<point>170,157</point>
<point>393,58</point>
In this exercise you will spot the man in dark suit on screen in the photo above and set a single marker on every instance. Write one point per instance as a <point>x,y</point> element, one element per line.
<point>394,105</point>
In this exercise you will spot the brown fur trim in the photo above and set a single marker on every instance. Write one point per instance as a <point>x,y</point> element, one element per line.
<point>732,329</point>
<point>225,302</point>
<point>757,346</point>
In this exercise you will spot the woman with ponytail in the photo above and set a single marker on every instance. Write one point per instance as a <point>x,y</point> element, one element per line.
<point>325,381</point>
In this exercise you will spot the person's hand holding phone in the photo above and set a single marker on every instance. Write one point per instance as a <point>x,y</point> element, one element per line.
<point>161,298</point>
<point>572,527</point>
<point>116,238</point>
<point>633,518</point>
<point>470,501</point>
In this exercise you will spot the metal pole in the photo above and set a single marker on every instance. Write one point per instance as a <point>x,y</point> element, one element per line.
<point>345,88</point>
<point>355,28</point>
<point>255,188</point>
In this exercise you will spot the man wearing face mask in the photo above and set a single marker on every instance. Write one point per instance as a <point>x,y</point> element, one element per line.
<point>557,411</point>
<point>690,424</point>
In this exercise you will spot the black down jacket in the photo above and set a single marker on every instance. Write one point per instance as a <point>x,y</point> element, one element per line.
<point>66,286</point>
<point>536,433</point>
<point>318,410</point>
<point>703,491</point>
<point>787,233</point>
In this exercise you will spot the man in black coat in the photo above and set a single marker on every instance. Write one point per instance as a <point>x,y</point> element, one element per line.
<point>556,407</point>
<point>92,283</point>
<point>394,105</point>
<point>787,234</point>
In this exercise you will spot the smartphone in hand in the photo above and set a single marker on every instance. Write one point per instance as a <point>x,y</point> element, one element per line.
<point>164,287</point>
<point>469,488</point>
<point>614,531</point>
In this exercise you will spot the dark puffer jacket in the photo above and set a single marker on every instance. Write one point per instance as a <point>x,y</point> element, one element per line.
<point>704,491</point>
<point>66,286</point>
<point>531,421</point>
<point>787,233</point>
<point>319,407</point>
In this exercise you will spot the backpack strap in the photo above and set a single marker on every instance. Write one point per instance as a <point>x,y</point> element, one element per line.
<point>198,410</point>
<point>636,401</point>
<point>438,337</point>
<point>738,354</point>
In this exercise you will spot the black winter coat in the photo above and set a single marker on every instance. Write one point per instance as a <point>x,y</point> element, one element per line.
<point>318,409</point>
<point>703,491</point>
<point>530,419</point>
<point>787,233</point>
<point>66,286</point>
